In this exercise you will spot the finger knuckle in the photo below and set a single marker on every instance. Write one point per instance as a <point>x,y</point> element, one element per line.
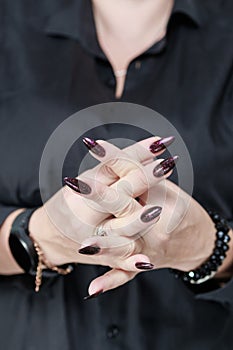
<point>144,180</point>
<point>114,163</point>
<point>108,172</point>
<point>121,166</point>
<point>130,249</point>
<point>126,209</point>
<point>105,195</point>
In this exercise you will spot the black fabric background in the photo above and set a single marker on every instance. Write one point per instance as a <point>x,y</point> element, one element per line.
<point>52,66</point>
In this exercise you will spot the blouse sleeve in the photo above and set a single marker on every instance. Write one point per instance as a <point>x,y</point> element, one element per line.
<point>5,210</point>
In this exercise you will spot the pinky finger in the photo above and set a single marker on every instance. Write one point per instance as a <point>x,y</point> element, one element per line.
<point>110,280</point>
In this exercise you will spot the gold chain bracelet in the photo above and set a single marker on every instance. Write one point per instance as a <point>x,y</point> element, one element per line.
<point>44,263</point>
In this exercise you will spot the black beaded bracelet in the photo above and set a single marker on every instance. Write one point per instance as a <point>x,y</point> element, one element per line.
<point>208,269</point>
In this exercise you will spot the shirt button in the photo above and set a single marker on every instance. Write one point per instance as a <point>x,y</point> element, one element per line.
<point>138,64</point>
<point>113,332</point>
<point>111,82</point>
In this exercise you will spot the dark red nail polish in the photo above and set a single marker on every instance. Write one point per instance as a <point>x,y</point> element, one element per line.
<point>150,214</point>
<point>161,144</point>
<point>77,185</point>
<point>144,266</point>
<point>92,296</point>
<point>90,250</point>
<point>165,166</point>
<point>94,147</point>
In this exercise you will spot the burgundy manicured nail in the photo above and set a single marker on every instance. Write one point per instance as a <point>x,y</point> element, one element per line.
<point>94,147</point>
<point>161,144</point>
<point>150,214</point>
<point>165,166</point>
<point>77,185</point>
<point>92,296</point>
<point>90,250</point>
<point>144,266</point>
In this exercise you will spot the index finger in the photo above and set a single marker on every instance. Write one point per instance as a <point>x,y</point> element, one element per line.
<point>118,163</point>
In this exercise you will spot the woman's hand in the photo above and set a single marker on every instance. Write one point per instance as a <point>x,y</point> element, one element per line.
<point>68,218</point>
<point>183,238</point>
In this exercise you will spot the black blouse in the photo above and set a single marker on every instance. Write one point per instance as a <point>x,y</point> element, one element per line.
<point>51,67</point>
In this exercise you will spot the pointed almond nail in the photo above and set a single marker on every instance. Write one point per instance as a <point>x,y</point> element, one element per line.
<point>165,166</point>
<point>92,296</point>
<point>144,266</point>
<point>161,144</point>
<point>90,250</point>
<point>94,147</point>
<point>77,185</point>
<point>150,214</point>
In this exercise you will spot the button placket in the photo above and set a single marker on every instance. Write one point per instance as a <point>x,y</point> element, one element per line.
<point>113,332</point>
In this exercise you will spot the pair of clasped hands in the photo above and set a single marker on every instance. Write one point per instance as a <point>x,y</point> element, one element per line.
<point>124,214</point>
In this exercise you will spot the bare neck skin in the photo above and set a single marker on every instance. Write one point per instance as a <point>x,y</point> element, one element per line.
<point>126,28</point>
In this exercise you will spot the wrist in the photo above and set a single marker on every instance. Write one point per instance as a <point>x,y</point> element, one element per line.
<point>57,249</point>
<point>42,231</point>
<point>8,265</point>
<point>206,233</point>
<point>212,265</point>
<point>202,240</point>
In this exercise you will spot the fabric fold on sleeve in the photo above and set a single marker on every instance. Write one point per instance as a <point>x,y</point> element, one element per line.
<point>223,295</point>
<point>6,210</point>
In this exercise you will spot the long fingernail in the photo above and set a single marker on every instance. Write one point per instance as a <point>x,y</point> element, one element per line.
<point>89,250</point>
<point>94,147</point>
<point>165,166</point>
<point>144,266</point>
<point>77,185</point>
<point>150,214</point>
<point>161,144</point>
<point>92,296</point>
